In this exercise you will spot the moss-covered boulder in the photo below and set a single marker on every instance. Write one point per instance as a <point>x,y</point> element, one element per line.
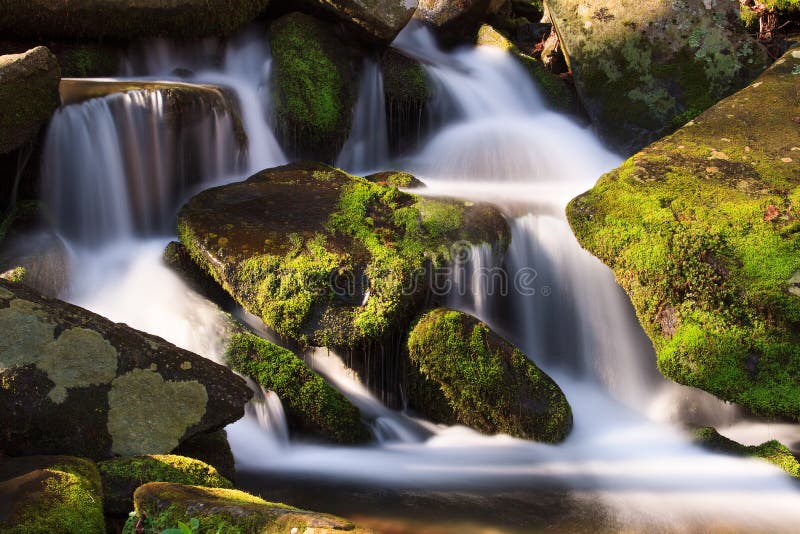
<point>28,94</point>
<point>406,93</point>
<point>701,229</point>
<point>373,21</point>
<point>121,477</point>
<point>162,505</point>
<point>177,257</point>
<point>772,451</point>
<point>72,382</point>
<point>557,93</point>
<point>643,68</point>
<point>48,494</point>
<point>125,19</point>
<point>312,406</point>
<point>314,86</point>
<point>462,372</point>
<point>453,22</point>
<point>326,258</point>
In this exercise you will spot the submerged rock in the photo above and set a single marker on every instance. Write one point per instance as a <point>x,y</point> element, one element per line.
<point>375,21</point>
<point>50,494</point>
<point>72,382</point>
<point>161,505</point>
<point>314,87</point>
<point>121,477</point>
<point>462,372</point>
<point>701,230</point>
<point>313,407</point>
<point>28,94</point>
<point>772,451</point>
<point>643,68</point>
<point>125,19</point>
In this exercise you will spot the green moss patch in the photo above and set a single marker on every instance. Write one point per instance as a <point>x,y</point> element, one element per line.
<point>312,406</point>
<point>772,451</point>
<point>51,494</point>
<point>121,477</point>
<point>482,380</point>
<point>314,88</point>
<point>225,511</point>
<point>701,230</point>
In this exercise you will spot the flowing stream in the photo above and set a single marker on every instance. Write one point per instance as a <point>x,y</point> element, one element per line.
<point>627,463</point>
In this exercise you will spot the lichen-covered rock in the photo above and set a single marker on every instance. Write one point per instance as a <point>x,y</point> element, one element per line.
<point>213,448</point>
<point>374,21</point>
<point>28,94</point>
<point>772,451</point>
<point>453,21</point>
<point>406,93</point>
<point>44,494</point>
<point>72,382</point>
<point>125,19</point>
<point>121,477</point>
<point>314,87</point>
<point>326,258</point>
<point>701,230</point>
<point>162,505</point>
<point>557,93</point>
<point>643,68</point>
<point>462,372</point>
<point>312,406</point>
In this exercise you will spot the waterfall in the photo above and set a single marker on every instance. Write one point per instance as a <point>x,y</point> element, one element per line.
<point>267,409</point>
<point>368,145</point>
<point>117,166</point>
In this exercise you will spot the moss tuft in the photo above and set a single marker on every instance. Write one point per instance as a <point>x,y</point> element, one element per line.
<point>772,451</point>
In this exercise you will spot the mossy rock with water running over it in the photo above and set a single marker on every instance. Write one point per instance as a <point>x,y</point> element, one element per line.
<point>73,382</point>
<point>313,407</point>
<point>772,451</point>
<point>162,505</point>
<point>643,68</point>
<point>49,494</point>
<point>462,372</point>
<point>557,93</point>
<point>314,86</point>
<point>28,95</point>
<point>326,258</point>
<point>125,19</point>
<point>701,229</point>
<point>121,477</point>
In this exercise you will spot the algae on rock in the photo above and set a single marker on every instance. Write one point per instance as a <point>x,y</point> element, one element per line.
<point>701,229</point>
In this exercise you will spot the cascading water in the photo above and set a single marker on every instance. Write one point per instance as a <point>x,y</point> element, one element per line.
<point>497,144</point>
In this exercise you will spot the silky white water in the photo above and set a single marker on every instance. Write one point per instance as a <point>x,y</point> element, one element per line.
<point>499,144</point>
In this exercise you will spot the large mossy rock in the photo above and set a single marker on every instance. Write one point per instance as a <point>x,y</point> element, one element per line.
<point>462,372</point>
<point>701,229</point>
<point>643,68</point>
<point>214,449</point>
<point>121,477</point>
<point>557,93</point>
<point>374,21</point>
<point>326,258</point>
<point>163,505</point>
<point>125,19</point>
<point>772,451</point>
<point>72,382</point>
<point>28,94</point>
<point>315,87</point>
<point>453,21</point>
<point>49,494</point>
<point>313,407</point>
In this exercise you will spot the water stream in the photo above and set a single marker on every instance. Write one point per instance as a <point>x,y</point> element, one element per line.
<point>626,461</point>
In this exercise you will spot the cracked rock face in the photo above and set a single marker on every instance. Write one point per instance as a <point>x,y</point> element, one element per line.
<point>72,382</point>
